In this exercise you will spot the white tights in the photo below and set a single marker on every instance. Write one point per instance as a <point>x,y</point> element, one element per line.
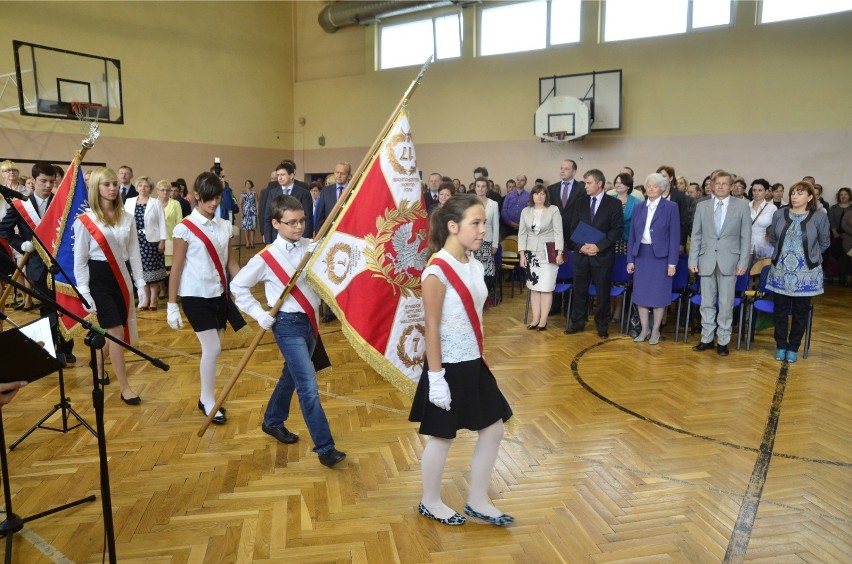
<point>484,458</point>
<point>211,348</point>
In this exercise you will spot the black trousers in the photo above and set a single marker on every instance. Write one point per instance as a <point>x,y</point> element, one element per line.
<point>800,307</point>
<point>588,270</point>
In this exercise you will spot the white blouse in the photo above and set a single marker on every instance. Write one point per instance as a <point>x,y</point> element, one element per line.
<point>458,342</point>
<point>760,245</point>
<point>200,277</point>
<point>86,248</point>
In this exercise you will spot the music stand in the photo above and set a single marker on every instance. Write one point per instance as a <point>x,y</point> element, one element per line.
<point>30,362</point>
<point>64,405</point>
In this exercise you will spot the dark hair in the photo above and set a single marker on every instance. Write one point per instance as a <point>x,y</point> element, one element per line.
<point>284,203</point>
<point>539,180</point>
<point>596,174</point>
<point>181,182</point>
<point>626,179</point>
<point>249,182</point>
<point>776,186</point>
<point>286,165</point>
<point>42,167</point>
<point>631,173</point>
<point>452,210</point>
<point>762,181</point>
<point>208,186</point>
<point>480,171</point>
<point>573,163</point>
<point>844,189</point>
<point>671,172</point>
<point>58,170</point>
<point>292,163</point>
<point>535,190</point>
<point>805,186</point>
<point>447,185</point>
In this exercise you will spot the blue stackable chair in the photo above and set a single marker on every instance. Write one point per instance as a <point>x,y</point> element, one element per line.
<point>763,302</point>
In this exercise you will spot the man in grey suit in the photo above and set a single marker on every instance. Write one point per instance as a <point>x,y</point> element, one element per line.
<point>719,252</point>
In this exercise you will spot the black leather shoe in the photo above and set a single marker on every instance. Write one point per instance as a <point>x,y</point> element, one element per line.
<point>131,401</point>
<point>722,350</point>
<point>603,333</point>
<point>217,420</point>
<point>574,329</point>
<point>331,457</point>
<point>70,358</point>
<point>703,346</point>
<point>542,327</point>
<point>281,434</point>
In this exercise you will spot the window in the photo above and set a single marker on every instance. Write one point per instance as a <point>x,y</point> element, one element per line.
<point>411,43</point>
<point>512,28</point>
<point>628,19</point>
<point>777,11</point>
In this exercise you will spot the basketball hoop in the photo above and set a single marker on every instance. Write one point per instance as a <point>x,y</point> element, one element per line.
<point>554,136</point>
<point>88,114</point>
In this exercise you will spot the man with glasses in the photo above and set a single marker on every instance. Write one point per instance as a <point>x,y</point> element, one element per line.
<point>719,252</point>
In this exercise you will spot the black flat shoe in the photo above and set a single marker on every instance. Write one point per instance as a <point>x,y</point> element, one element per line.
<point>532,327</point>
<point>500,521</point>
<point>131,401</point>
<point>453,521</point>
<point>331,457</point>
<point>217,420</point>
<point>105,377</point>
<point>542,327</point>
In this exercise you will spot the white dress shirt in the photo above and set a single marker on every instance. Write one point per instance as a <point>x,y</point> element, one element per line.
<point>126,249</point>
<point>646,233</point>
<point>200,277</point>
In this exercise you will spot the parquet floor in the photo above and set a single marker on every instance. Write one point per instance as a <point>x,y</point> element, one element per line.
<point>623,452</point>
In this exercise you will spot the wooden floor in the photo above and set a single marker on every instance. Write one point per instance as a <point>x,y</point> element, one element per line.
<point>622,452</point>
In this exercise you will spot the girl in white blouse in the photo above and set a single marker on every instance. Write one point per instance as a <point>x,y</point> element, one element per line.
<point>197,280</point>
<point>761,216</point>
<point>105,242</point>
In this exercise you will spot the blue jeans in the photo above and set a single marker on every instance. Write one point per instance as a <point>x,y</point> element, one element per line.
<point>296,340</point>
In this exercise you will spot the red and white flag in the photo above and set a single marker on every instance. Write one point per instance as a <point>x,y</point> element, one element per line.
<point>368,267</point>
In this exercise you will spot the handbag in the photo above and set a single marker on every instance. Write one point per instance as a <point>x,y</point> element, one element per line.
<point>550,247</point>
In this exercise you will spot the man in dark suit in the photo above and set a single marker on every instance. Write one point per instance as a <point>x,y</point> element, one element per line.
<point>433,184</point>
<point>286,173</point>
<point>17,228</point>
<point>593,261</point>
<point>331,193</point>
<point>565,194</point>
<point>125,188</point>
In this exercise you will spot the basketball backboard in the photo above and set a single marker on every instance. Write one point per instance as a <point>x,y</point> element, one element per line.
<point>599,90</point>
<point>52,82</point>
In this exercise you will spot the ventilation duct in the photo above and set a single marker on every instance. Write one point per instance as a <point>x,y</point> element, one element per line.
<point>341,14</point>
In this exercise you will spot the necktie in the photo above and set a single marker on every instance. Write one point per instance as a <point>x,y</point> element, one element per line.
<point>564,194</point>
<point>434,196</point>
<point>123,192</point>
<point>291,246</point>
<point>717,217</point>
<point>286,191</point>
<point>592,209</point>
<point>339,191</point>
<point>42,207</point>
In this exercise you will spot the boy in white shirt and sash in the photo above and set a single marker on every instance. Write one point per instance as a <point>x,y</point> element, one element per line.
<point>295,327</point>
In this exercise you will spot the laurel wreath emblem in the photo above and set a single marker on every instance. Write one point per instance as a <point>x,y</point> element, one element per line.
<point>329,261</point>
<point>409,361</point>
<point>374,253</point>
<point>390,149</point>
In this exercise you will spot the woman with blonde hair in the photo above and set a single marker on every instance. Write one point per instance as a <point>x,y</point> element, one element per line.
<point>151,232</point>
<point>105,242</point>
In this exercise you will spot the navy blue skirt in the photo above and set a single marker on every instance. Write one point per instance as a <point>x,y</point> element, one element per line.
<point>652,286</point>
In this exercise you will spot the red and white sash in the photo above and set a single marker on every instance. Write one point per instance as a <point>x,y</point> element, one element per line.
<point>107,242</point>
<point>467,300</point>
<point>28,213</point>
<point>282,268</point>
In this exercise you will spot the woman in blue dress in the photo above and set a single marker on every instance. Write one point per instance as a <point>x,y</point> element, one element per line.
<point>799,235</point>
<point>249,213</point>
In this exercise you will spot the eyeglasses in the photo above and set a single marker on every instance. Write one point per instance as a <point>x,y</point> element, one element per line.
<point>293,223</point>
<point>9,170</point>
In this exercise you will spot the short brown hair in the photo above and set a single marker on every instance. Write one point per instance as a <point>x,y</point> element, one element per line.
<point>805,186</point>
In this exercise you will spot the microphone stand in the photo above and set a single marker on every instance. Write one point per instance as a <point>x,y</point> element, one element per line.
<point>95,339</point>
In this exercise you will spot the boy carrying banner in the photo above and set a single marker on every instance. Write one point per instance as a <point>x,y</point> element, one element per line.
<point>295,327</point>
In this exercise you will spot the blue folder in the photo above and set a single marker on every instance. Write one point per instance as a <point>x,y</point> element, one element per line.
<point>585,233</point>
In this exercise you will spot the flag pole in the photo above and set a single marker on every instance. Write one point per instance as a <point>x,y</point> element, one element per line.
<point>85,145</point>
<point>335,211</point>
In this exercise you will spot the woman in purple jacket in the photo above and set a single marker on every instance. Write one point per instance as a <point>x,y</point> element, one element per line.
<point>652,254</point>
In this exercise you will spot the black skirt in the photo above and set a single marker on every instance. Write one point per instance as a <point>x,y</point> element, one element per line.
<point>205,313</point>
<point>476,403</point>
<point>112,310</point>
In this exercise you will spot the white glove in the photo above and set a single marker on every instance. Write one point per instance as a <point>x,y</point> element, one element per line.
<point>439,391</point>
<point>27,246</point>
<point>143,296</point>
<point>173,316</point>
<point>266,321</point>
<point>312,246</point>
<point>91,308</point>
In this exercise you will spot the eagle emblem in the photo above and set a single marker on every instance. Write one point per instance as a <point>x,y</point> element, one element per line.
<point>408,252</point>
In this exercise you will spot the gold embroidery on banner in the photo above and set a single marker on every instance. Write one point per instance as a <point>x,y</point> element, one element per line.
<point>406,153</point>
<point>411,361</point>
<point>339,255</point>
<point>396,227</point>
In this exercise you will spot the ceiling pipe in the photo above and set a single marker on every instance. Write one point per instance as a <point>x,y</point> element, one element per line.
<point>341,14</point>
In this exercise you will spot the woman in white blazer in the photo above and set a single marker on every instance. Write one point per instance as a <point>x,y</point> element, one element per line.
<point>540,224</point>
<point>486,252</point>
<point>151,229</point>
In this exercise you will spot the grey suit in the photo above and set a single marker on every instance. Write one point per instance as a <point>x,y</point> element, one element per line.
<point>718,257</point>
